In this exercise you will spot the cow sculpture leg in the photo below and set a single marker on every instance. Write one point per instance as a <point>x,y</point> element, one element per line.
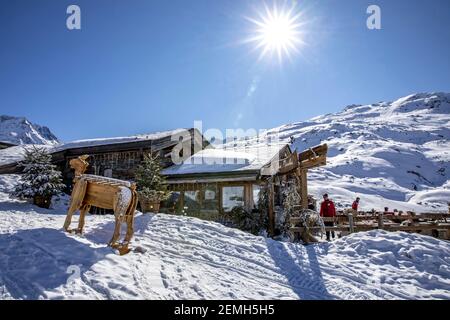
<point>130,230</point>
<point>84,209</point>
<point>124,208</point>
<point>113,243</point>
<point>129,217</point>
<point>68,220</point>
<point>76,202</point>
<point>122,247</point>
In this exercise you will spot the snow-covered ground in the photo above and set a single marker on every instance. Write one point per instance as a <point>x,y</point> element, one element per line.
<point>187,258</point>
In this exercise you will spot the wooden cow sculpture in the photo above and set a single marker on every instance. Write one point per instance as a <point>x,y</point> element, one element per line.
<point>107,193</point>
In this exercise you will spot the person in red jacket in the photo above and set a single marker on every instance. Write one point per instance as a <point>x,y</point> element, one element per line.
<point>328,210</point>
<point>355,204</point>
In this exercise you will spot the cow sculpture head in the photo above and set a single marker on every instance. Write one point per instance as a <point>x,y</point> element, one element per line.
<point>79,165</point>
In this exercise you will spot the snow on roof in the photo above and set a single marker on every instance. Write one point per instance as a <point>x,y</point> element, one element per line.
<point>8,143</point>
<point>106,141</point>
<point>227,159</point>
<point>15,154</point>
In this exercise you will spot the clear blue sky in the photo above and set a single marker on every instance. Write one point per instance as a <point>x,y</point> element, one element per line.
<point>141,66</point>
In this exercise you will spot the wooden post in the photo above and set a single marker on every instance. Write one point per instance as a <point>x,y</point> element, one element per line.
<point>380,221</point>
<point>350,222</point>
<point>304,188</point>
<point>219,198</point>
<point>182,202</point>
<point>248,196</point>
<point>271,210</point>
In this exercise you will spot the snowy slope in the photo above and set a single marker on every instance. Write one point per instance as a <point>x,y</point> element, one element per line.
<point>394,154</point>
<point>194,259</point>
<point>19,130</point>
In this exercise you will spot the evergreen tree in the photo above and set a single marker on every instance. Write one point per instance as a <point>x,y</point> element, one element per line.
<point>251,221</point>
<point>40,179</point>
<point>291,203</point>
<point>151,185</point>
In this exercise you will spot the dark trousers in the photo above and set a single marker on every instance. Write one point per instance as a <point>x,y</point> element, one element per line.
<point>329,224</point>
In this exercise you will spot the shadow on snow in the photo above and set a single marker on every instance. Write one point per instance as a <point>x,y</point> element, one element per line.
<point>37,260</point>
<point>300,266</point>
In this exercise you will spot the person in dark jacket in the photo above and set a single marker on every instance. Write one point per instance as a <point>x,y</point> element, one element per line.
<point>328,210</point>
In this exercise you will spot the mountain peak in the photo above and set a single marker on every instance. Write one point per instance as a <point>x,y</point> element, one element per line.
<point>19,130</point>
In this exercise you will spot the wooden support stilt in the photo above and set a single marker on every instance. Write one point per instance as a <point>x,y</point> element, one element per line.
<point>182,201</point>
<point>380,221</point>
<point>220,198</point>
<point>350,222</point>
<point>271,210</point>
<point>248,196</point>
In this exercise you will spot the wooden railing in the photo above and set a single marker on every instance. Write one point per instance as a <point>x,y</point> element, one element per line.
<point>440,222</point>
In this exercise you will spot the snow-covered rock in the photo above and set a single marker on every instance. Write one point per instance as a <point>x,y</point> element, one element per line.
<point>18,130</point>
<point>187,258</point>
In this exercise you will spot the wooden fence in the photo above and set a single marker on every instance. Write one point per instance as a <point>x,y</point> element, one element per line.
<point>436,224</point>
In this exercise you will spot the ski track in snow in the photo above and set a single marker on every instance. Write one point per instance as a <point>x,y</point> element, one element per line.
<point>187,258</point>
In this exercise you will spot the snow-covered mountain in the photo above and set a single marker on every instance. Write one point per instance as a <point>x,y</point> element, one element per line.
<point>393,154</point>
<point>18,130</point>
<point>396,150</point>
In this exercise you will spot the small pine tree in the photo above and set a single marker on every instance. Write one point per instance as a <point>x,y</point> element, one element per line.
<point>263,206</point>
<point>151,185</point>
<point>251,221</point>
<point>40,179</point>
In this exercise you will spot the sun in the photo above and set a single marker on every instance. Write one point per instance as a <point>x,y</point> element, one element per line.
<point>278,32</point>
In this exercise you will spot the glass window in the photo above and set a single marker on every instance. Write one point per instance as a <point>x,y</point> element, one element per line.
<point>210,199</point>
<point>173,204</point>
<point>232,197</point>
<point>256,190</point>
<point>192,202</point>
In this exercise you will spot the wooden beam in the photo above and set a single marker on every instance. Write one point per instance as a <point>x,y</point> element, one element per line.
<point>304,188</point>
<point>271,210</point>
<point>288,164</point>
<point>248,196</point>
<point>220,197</point>
<point>181,203</point>
<point>313,152</point>
<point>312,158</point>
<point>314,162</point>
<point>380,221</point>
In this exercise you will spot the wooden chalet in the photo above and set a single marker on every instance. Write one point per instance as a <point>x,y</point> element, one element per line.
<point>212,182</point>
<point>119,157</point>
<point>112,157</point>
<point>208,184</point>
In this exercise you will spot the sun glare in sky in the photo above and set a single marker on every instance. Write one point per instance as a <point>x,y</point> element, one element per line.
<point>278,32</point>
